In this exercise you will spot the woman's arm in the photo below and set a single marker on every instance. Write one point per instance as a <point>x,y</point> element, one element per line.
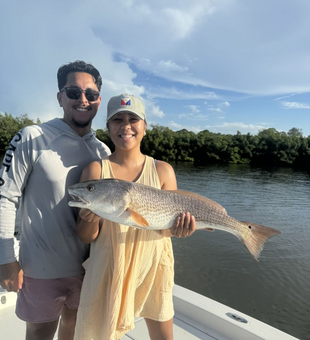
<point>166,176</point>
<point>88,223</point>
<point>184,225</point>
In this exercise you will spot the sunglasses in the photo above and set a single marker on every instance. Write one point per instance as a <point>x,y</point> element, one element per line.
<point>75,93</point>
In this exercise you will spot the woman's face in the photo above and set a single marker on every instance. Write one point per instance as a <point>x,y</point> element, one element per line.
<point>126,130</point>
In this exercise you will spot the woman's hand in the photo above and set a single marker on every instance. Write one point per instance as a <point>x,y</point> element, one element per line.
<point>88,216</point>
<point>184,225</point>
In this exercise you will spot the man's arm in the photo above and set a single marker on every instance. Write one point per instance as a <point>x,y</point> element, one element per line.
<point>13,177</point>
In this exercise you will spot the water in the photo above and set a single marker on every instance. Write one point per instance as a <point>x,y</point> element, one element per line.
<point>274,290</point>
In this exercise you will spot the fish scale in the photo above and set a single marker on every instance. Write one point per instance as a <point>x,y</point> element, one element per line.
<point>208,216</point>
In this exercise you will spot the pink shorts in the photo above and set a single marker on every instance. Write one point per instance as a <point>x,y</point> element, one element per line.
<point>41,300</point>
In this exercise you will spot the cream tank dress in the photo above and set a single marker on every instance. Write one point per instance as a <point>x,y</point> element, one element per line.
<point>130,273</point>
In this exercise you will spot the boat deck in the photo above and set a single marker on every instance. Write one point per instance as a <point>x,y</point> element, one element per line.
<point>182,330</point>
<point>196,317</point>
<point>12,328</point>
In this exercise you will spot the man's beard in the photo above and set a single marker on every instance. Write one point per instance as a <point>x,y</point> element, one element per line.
<point>81,125</point>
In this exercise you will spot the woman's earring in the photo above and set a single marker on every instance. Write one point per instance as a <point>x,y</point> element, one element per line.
<point>144,133</point>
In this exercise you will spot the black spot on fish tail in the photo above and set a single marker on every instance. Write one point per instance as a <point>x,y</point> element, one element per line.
<point>255,240</point>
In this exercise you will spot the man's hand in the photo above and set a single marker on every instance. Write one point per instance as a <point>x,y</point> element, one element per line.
<point>11,276</point>
<point>184,225</point>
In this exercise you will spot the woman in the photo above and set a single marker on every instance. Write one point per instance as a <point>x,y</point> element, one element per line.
<point>130,271</point>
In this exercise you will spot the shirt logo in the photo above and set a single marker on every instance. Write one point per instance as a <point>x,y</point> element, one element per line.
<point>125,101</point>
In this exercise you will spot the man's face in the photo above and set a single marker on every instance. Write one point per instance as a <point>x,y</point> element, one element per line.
<point>79,113</point>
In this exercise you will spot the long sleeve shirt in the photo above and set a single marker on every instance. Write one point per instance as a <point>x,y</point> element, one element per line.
<point>41,162</point>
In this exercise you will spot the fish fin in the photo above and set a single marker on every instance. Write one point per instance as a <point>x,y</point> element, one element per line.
<point>201,198</point>
<point>141,221</point>
<point>258,236</point>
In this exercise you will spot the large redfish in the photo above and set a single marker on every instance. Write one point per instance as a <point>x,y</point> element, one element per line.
<point>142,206</point>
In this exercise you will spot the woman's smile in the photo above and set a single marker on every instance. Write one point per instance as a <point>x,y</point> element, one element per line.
<point>127,136</point>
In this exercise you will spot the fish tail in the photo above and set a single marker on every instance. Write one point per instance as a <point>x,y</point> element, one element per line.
<point>258,235</point>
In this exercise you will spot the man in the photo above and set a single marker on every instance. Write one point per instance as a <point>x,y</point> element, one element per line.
<point>40,164</point>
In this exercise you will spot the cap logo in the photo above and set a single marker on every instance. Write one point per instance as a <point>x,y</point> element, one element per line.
<point>125,101</point>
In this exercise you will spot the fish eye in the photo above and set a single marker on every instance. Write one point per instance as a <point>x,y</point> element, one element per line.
<point>90,187</point>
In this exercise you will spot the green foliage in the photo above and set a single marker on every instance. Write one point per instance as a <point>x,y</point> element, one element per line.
<point>268,147</point>
<point>184,144</point>
<point>277,148</point>
<point>10,125</point>
<point>295,132</point>
<point>159,143</point>
<point>103,135</point>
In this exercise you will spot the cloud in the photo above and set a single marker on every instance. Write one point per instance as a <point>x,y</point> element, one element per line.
<point>175,126</point>
<point>208,48</point>
<point>215,109</point>
<point>193,108</point>
<point>178,94</point>
<point>193,116</point>
<point>288,96</point>
<point>170,66</point>
<point>153,110</point>
<point>295,105</point>
<point>224,128</point>
<point>181,22</point>
<point>232,128</point>
<point>34,53</point>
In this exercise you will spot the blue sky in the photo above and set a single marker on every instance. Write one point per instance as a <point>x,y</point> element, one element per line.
<point>221,65</point>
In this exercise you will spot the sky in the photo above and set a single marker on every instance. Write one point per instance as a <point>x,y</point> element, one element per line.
<point>220,65</point>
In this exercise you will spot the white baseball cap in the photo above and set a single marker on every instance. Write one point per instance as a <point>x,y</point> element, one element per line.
<point>126,102</point>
